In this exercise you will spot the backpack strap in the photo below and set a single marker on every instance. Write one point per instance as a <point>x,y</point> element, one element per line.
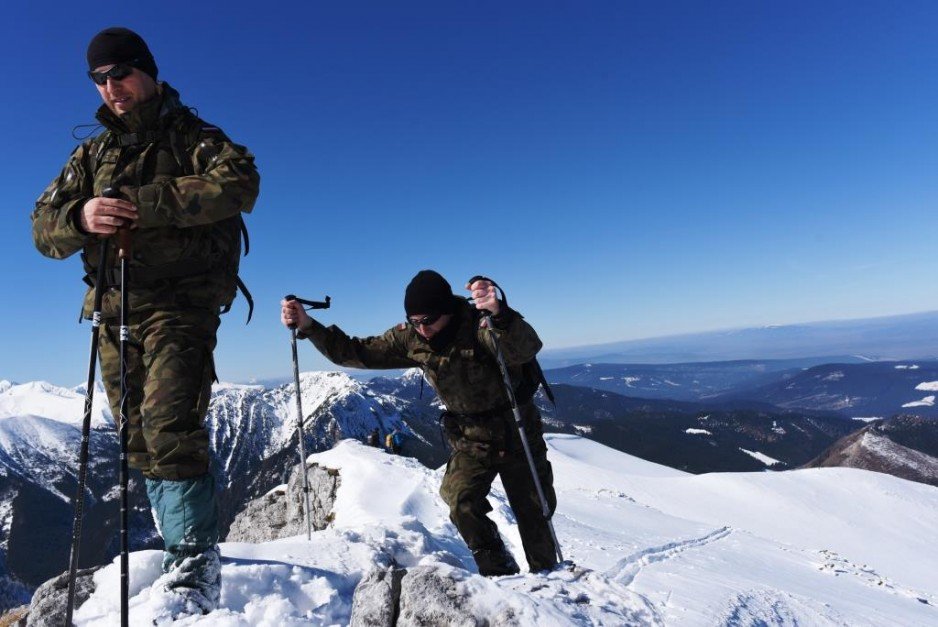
<point>244,235</point>
<point>182,137</point>
<point>247,296</point>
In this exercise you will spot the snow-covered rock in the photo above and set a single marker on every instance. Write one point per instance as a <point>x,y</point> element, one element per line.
<point>377,598</point>
<point>279,513</point>
<point>47,608</point>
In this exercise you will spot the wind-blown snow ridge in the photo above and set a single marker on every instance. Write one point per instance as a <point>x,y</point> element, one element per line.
<point>662,548</point>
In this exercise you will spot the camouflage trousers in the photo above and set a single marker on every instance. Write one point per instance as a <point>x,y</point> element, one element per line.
<point>169,379</point>
<point>473,466</point>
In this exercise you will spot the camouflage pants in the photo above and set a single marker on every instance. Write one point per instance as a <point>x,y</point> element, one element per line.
<point>468,479</point>
<point>169,378</point>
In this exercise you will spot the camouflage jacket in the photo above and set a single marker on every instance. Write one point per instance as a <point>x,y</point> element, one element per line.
<point>190,184</point>
<point>464,371</point>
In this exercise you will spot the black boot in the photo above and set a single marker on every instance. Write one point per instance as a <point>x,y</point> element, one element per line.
<point>495,561</point>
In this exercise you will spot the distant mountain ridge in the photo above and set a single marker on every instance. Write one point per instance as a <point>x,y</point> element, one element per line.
<point>854,388</point>
<point>866,390</point>
<point>909,336</point>
<point>905,446</point>
<point>695,437</point>
<point>685,381</point>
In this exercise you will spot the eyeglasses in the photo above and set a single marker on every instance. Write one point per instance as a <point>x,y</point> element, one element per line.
<point>118,72</point>
<point>425,321</point>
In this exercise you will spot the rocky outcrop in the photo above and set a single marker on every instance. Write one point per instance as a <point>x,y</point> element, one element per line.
<point>375,601</point>
<point>430,598</point>
<point>414,597</point>
<point>16,617</point>
<point>279,513</point>
<point>871,449</point>
<point>47,608</point>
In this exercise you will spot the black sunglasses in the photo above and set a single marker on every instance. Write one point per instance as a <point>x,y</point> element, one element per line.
<point>425,321</point>
<point>118,72</point>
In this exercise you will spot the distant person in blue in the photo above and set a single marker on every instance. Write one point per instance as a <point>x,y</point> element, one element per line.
<point>394,441</point>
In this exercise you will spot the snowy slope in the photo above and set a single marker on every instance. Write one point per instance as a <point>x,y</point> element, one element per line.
<point>39,398</point>
<point>805,547</point>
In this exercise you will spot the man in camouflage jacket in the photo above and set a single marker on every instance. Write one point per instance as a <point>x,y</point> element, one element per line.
<point>443,338</point>
<point>183,186</point>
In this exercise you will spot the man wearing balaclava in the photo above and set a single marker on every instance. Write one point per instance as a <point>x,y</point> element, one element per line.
<point>443,337</point>
<point>183,186</point>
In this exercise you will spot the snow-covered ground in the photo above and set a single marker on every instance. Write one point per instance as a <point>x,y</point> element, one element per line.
<point>827,546</point>
<point>762,457</point>
<point>928,401</point>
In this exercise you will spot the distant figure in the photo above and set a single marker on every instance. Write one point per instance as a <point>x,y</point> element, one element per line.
<point>396,439</point>
<point>374,438</point>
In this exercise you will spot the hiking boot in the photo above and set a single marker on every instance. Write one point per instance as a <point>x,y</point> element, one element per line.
<point>495,562</point>
<point>194,583</point>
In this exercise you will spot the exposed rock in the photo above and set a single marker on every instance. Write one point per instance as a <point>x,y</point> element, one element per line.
<point>279,513</point>
<point>375,601</point>
<point>430,598</point>
<point>15,617</point>
<point>47,608</point>
<point>871,449</point>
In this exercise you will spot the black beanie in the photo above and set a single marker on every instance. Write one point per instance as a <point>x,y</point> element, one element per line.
<point>428,293</point>
<point>121,45</point>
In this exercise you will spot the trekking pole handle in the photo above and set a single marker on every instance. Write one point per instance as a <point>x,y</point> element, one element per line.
<point>499,293</point>
<point>312,304</point>
<point>124,246</point>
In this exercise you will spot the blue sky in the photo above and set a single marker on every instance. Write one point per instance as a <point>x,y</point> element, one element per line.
<point>624,169</point>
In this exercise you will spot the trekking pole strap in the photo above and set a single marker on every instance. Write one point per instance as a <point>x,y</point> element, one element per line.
<point>311,304</point>
<point>479,277</point>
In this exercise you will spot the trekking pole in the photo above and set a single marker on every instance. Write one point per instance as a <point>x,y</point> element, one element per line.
<point>99,288</point>
<point>510,391</point>
<point>299,406</point>
<point>123,253</point>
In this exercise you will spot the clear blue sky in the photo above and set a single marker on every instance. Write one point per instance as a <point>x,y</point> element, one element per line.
<point>624,169</point>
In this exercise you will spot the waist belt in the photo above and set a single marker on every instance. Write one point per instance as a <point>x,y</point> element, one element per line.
<point>142,276</point>
<point>496,412</point>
